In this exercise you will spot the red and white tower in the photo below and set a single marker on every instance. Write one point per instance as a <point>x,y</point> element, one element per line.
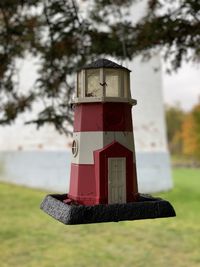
<point>103,168</point>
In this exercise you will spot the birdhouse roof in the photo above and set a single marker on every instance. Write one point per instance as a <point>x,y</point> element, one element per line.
<point>103,63</point>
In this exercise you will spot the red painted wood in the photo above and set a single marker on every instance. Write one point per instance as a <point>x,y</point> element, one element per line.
<point>83,184</point>
<point>89,183</point>
<point>102,117</point>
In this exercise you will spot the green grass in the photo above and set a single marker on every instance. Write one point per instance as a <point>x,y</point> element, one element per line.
<point>30,238</point>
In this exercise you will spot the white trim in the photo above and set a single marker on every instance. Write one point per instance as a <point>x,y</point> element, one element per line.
<point>129,87</point>
<point>102,80</point>
<point>77,100</point>
<point>88,142</point>
<point>84,83</point>
<point>76,85</point>
<point>121,82</point>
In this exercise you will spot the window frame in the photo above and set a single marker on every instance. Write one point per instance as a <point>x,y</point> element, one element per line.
<point>86,82</point>
<point>123,92</point>
<point>120,81</point>
<point>75,148</point>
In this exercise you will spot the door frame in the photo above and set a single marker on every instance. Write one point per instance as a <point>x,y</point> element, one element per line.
<point>114,150</point>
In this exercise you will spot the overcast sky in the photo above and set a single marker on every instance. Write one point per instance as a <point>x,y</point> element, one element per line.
<point>183,86</point>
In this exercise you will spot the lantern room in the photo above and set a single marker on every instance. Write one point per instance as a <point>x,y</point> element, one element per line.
<point>103,81</point>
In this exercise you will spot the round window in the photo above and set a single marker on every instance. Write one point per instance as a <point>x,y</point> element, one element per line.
<point>75,148</point>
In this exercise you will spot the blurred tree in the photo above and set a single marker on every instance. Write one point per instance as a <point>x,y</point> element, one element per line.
<point>191,133</point>
<point>174,119</point>
<point>173,26</point>
<point>63,38</point>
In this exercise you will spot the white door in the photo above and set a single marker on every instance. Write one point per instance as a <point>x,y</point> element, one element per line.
<point>116,180</point>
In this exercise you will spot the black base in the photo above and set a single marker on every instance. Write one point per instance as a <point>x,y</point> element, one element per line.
<point>146,207</point>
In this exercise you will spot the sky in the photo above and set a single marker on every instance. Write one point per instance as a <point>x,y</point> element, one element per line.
<point>183,86</point>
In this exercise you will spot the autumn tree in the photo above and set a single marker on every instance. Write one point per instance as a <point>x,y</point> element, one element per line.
<point>191,133</point>
<point>174,119</point>
<point>63,38</point>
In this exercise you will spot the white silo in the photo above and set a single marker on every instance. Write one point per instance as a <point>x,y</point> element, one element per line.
<point>42,158</point>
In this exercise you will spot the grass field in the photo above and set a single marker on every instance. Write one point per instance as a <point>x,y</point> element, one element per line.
<point>30,238</point>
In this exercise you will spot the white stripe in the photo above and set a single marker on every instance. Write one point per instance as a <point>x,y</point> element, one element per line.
<point>88,142</point>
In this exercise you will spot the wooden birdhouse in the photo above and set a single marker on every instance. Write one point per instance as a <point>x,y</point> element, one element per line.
<point>103,180</point>
<point>103,168</point>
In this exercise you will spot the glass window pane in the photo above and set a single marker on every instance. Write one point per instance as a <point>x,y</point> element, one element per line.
<point>79,84</point>
<point>112,79</point>
<point>93,87</point>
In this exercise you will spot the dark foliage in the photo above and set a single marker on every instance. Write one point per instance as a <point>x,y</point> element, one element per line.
<point>63,39</point>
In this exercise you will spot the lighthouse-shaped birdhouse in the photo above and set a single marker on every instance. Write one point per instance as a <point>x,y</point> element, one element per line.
<point>103,168</point>
<point>103,178</point>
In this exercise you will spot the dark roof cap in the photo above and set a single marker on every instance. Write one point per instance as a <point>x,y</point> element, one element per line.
<point>104,63</point>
